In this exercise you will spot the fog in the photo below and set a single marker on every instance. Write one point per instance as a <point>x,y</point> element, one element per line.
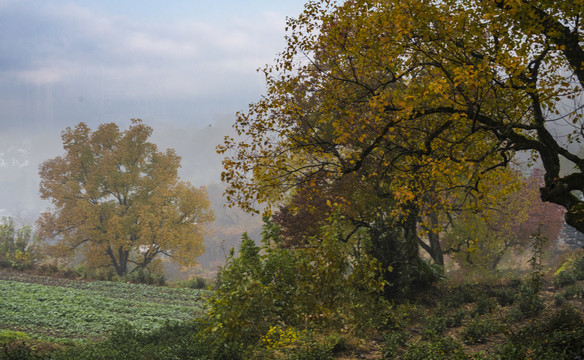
<point>184,68</point>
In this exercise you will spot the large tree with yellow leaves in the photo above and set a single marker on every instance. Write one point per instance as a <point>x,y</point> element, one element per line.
<point>120,200</point>
<point>420,99</point>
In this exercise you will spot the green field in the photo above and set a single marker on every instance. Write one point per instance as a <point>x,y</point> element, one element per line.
<point>61,309</point>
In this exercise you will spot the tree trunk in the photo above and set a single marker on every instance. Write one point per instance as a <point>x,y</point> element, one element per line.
<point>120,263</point>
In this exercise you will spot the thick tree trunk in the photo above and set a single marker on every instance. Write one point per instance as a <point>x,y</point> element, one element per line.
<point>436,248</point>
<point>395,245</point>
<point>120,263</point>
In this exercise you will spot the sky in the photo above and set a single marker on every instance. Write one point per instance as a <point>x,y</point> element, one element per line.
<point>183,66</point>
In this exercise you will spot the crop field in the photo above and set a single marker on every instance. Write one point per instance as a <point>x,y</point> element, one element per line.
<point>61,309</point>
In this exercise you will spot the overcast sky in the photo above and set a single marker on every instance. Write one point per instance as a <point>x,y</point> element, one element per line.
<point>180,65</point>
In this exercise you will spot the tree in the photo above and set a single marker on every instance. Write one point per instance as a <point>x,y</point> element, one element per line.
<point>416,95</point>
<point>120,199</point>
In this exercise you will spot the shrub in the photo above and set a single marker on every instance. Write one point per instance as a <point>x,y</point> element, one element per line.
<point>195,283</point>
<point>579,268</point>
<point>559,299</point>
<point>572,270</point>
<point>478,331</point>
<point>268,286</point>
<point>18,351</point>
<point>143,276</point>
<point>564,278</point>
<point>505,296</point>
<point>455,319</point>
<point>20,248</point>
<point>573,291</point>
<point>8,336</point>
<point>443,349</point>
<point>392,341</point>
<point>483,305</point>
<point>460,295</point>
<point>528,303</point>
<point>433,327</point>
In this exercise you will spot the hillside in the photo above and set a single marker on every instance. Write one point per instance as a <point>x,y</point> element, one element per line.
<point>503,318</point>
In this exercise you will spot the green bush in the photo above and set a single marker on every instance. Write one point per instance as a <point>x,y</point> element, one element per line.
<point>143,276</point>
<point>483,305</point>
<point>528,303</point>
<point>433,327</point>
<point>573,291</point>
<point>318,349</point>
<point>18,351</point>
<point>393,340</point>
<point>478,331</point>
<point>20,248</point>
<point>460,295</point>
<point>268,285</point>
<point>8,336</point>
<point>443,349</point>
<point>455,319</point>
<point>564,278</point>
<point>195,283</point>
<point>570,272</point>
<point>505,296</point>
<point>559,299</point>
<point>579,268</point>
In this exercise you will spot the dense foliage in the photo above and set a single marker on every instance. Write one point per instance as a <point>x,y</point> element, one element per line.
<point>274,297</point>
<point>418,98</point>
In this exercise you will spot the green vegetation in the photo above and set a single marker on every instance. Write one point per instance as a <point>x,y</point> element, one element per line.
<point>262,310</point>
<point>20,248</point>
<point>383,159</point>
<point>87,310</point>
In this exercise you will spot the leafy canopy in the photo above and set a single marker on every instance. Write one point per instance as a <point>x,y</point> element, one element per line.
<point>121,200</point>
<point>416,95</point>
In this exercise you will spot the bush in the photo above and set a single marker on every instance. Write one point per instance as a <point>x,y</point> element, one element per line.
<point>483,305</point>
<point>478,331</point>
<point>570,272</point>
<point>528,303</point>
<point>195,283</point>
<point>433,327</point>
<point>18,351</point>
<point>505,296</point>
<point>573,291</point>
<point>143,276</point>
<point>462,294</point>
<point>19,247</point>
<point>564,278</point>
<point>269,286</point>
<point>394,340</point>
<point>317,349</point>
<point>455,319</point>
<point>443,349</point>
